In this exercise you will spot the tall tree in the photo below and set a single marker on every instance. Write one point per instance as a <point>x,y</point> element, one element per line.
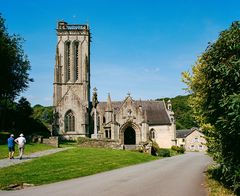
<point>14,65</point>
<point>215,87</point>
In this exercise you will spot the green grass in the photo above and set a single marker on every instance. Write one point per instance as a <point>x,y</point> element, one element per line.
<point>29,148</point>
<point>69,164</point>
<point>215,188</point>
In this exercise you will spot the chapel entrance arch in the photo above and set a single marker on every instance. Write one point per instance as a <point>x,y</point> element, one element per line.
<point>129,136</point>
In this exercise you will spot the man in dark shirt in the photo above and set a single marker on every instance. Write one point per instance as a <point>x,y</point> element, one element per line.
<point>11,144</point>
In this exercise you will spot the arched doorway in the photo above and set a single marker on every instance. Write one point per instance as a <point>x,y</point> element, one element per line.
<point>129,136</point>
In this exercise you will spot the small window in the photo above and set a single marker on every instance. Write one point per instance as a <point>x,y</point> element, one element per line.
<point>108,134</point>
<point>152,134</point>
<point>104,119</point>
<point>196,139</point>
<point>183,140</point>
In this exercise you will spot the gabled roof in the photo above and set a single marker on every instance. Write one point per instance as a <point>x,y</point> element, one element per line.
<point>183,133</point>
<point>156,112</point>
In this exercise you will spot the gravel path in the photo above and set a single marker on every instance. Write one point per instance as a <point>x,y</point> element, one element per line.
<point>29,157</point>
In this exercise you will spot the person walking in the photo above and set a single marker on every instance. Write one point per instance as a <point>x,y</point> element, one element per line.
<point>11,146</point>
<point>21,143</point>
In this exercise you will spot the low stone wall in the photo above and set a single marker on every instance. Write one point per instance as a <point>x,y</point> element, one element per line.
<point>52,141</point>
<point>103,143</point>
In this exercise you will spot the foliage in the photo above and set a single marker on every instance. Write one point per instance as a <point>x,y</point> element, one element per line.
<point>82,140</point>
<point>154,149</point>
<point>164,152</point>
<point>182,112</point>
<point>178,149</point>
<point>215,188</point>
<point>18,119</point>
<point>44,114</point>
<point>70,164</point>
<point>14,65</point>
<point>215,88</point>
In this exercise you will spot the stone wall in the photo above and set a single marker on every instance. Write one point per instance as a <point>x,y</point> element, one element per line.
<point>52,141</point>
<point>103,143</point>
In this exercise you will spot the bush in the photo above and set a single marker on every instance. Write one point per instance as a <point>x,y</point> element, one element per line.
<point>82,140</point>
<point>178,149</point>
<point>163,152</point>
<point>155,148</point>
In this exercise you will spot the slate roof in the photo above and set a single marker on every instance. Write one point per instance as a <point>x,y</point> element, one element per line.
<point>183,133</point>
<point>155,110</point>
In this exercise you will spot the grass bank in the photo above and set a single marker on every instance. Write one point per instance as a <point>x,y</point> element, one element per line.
<point>29,148</point>
<point>70,164</point>
<point>215,188</point>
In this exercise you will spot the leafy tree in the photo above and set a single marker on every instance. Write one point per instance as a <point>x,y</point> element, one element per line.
<point>44,114</point>
<point>215,87</point>
<point>182,112</point>
<point>14,65</point>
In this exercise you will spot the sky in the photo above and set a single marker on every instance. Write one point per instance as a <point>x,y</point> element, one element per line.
<point>138,46</point>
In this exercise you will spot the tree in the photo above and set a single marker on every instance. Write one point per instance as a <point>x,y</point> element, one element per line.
<point>14,76</point>
<point>215,87</point>
<point>182,112</point>
<point>14,65</point>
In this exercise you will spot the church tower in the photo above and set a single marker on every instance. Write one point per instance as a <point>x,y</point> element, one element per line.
<point>71,99</point>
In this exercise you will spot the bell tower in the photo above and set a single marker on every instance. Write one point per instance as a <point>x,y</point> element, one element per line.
<point>71,98</point>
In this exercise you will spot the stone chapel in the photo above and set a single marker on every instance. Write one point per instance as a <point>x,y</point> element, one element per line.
<point>129,122</point>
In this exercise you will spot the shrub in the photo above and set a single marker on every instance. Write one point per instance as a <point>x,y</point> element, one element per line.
<point>155,148</point>
<point>178,149</point>
<point>82,140</point>
<point>163,152</point>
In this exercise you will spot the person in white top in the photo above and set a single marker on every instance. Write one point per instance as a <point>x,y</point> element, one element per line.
<point>21,143</point>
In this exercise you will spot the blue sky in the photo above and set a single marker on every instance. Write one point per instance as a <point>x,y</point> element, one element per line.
<point>138,46</point>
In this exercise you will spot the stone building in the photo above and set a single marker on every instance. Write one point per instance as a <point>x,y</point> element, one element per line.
<point>191,139</point>
<point>134,122</point>
<point>128,122</point>
<point>71,98</point>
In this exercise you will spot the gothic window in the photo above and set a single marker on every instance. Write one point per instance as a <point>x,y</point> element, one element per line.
<point>67,60</point>
<point>69,121</point>
<point>76,60</point>
<point>152,134</point>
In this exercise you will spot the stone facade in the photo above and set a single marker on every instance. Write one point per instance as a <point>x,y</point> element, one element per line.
<point>191,140</point>
<point>127,122</point>
<point>71,98</point>
<point>134,122</point>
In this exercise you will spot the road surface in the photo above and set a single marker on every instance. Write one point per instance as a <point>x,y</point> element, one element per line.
<point>181,175</point>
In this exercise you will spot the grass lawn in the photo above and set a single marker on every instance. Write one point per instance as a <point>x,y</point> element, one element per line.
<point>29,148</point>
<point>69,164</point>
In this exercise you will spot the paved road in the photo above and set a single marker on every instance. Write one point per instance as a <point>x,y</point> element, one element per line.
<point>175,176</point>
<point>9,162</point>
